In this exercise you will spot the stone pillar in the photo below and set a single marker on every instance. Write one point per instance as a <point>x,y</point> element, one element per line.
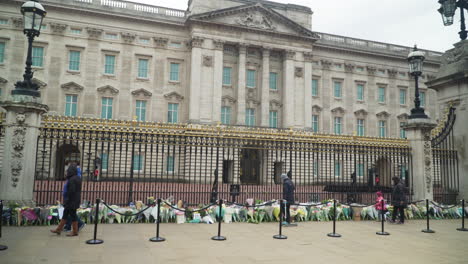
<point>23,119</point>
<point>195,80</point>
<point>92,71</point>
<point>217,80</point>
<point>265,102</point>
<point>418,132</point>
<point>288,89</point>
<point>451,84</point>
<point>241,86</point>
<point>307,90</point>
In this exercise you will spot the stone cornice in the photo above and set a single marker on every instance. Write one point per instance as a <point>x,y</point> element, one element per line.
<point>161,42</point>
<point>94,33</point>
<point>58,28</point>
<point>338,110</point>
<point>196,42</point>
<point>392,73</point>
<point>128,37</point>
<point>349,67</point>
<point>361,113</point>
<point>218,44</point>
<point>174,96</point>
<point>142,92</point>
<point>308,56</point>
<point>108,88</point>
<point>17,22</point>
<point>326,64</point>
<point>72,86</point>
<point>289,54</point>
<point>383,114</point>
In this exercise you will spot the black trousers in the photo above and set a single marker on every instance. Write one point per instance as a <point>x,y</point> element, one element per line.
<point>286,214</point>
<point>401,209</point>
<point>69,213</point>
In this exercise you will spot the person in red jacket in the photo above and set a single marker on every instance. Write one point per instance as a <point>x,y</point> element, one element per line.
<point>381,208</point>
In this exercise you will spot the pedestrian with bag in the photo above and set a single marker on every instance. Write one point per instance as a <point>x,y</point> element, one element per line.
<point>399,200</point>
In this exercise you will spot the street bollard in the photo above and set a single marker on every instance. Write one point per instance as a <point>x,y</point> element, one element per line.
<point>427,230</point>
<point>383,233</point>
<point>280,235</point>
<point>2,247</point>
<point>95,241</point>
<point>463,217</point>
<point>219,237</point>
<point>157,238</point>
<point>334,234</point>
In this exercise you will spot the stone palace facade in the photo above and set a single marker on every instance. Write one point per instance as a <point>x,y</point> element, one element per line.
<point>234,62</point>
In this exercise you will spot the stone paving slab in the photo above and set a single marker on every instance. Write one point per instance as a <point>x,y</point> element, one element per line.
<point>246,243</point>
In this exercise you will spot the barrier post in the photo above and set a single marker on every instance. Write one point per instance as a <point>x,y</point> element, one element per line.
<point>95,241</point>
<point>383,233</point>
<point>427,230</point>
<point>280,235</point>
<point>463,217</point>
<point>2,247</point>
<point>334,234</point>
<point>157,238</point>
<point>220,219</point>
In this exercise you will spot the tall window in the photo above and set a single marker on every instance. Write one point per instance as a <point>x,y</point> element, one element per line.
<point>141,110</point>
<point>138,162</point>
<point>106,110</point>
<point>315,168</point>
<point>402,130</point>
<point>381,96</point>
<point>315,123</point>
<point>170,164</point>
<point>360,127</point>
<point>337,125</point>
<point>104,161</point>
<point>227,73</point>
<point>250,117</point>
<point>273,119</point>
<point>174,74</point>
<point>402,96</point>
<point>226,115</point>
<point>422,98</point>
<point>360,92</point>
<point>74,60</point>
<point>382,128</point>
<point>2,52</point>
<point>314,87</point>
<point>71,105</point>
<point>360,170</point>
<point>251,80</point>
<point>37,56</point>
<point>173,113</point>
<point>337,89</point>
<point>337,169</point>
<point>273,81</point>
<point>109,66</point>
<point>143,68</point>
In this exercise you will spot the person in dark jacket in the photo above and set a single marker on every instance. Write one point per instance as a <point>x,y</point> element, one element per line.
<point>398,200</point>
<point>72,199</point>
<point>288,195</point>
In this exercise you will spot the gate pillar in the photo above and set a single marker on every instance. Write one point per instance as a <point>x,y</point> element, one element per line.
<point>22,123</point>
<point>418,132</point>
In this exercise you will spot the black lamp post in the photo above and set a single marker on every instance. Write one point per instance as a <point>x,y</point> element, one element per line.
<point>416,59</point>
<point>447,10</point>
<point>33,13</point>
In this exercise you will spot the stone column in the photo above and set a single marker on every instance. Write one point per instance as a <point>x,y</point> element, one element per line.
<point>241,86</point>
<point>418,132</point>
<point>288,89</point>
<point>23,119</point>
<point>217,80</point>
<point>195,80</point>
<point>265,102</point>
<point>307,90</point>
<point>92,71</point>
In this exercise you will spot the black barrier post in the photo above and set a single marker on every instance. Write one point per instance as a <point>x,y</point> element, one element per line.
<point>427,230</point>
<point>2,247</point>
<point>157,238</point>
<point>463,218</point>
<point>95,241</point>
<point>334,234</point>
<point>383,233</point>
<point>220,218</point>
<point>280,235</point>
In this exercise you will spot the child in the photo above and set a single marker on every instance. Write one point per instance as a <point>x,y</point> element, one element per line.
<point>382,209</point>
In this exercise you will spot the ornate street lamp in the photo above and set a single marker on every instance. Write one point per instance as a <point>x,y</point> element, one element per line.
<point>447,10</point>
<point>416,59</point>
<point>33,13</point>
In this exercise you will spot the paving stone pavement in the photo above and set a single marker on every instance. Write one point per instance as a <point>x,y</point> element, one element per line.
<point>246,243</point>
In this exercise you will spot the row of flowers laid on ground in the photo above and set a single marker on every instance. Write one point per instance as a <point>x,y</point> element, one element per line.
<point>13,215</point>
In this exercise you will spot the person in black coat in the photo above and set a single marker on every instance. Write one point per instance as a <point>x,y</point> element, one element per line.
<point>72,200</point>
<point>399,201</point>
<point>288,195</point>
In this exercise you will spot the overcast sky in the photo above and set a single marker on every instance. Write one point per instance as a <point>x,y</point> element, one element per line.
<point>403,22</point>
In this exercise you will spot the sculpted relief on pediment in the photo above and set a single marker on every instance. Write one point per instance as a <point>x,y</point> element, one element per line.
<point>255,20</point>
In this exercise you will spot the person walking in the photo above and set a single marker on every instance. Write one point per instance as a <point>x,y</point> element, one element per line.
<point>72,199</point>
<point>398,200</point>
<point>381,208</point>
<point>81,224</point>
<point>288,195</point>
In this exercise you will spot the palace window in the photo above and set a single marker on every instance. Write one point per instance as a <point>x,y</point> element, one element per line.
<point>403,96</point>
<point>227,73</point>
<point>402,130</point>
<point>3,21</point>
<point>106,109</point>
<point>381,95</point>
<point>273,81</point>
<point>337,169</point>
<point>314,87</point>
<point>111,36</point>
<point>226,115</point>
<point>250,117</point>
<point>337,89</point>
<point>360,127</point>
<point>2,52</point>
<point>174,73</point>
<point>422,98</point>
<point>360,92</point>
<point>138,162</point>
<point>273,119</point>
<point>251,81</point>
<point>104,161</point>
<point>170,164</point>
<point>337,125</point>
<point>382,128</point>
<point>71,103</point>
<point>141,110</point>
<point>360,170</point>
<point>143,68</point>
<point>74,60</point>
<point>109,66</point>
<point>173,113</point>
<point>75,31</point>
<point>37,56</point>
<point>315,123</point>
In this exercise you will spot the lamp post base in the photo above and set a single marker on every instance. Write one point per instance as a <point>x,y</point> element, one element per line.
<point>417,113</point>
<point>94,241</point>
<point>218,238</point>
<point>3,247</point>
<point>280,237</point>
<point>334,235</point>
<point>382,233</point>
<point>428,231</point>
<point>462,229</point>
<point>157,239</point>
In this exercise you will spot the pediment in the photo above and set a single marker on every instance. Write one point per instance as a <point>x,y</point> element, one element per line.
<point>361,112</point>
<point>142,92</point>
<point>108,89</point>
<point>403,116</point>
<point>317,108</point>
<point>338,109</point>
<point>275,104</point>
<point>228,100</point>
<point>2,80</point>
<point>39,82</point>
<point>72,87</point>
<point>383,114</point>
<point>255,17</point>
<point>174,96</point>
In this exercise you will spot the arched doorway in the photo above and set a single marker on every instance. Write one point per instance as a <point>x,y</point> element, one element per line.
<point>66,153</point>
